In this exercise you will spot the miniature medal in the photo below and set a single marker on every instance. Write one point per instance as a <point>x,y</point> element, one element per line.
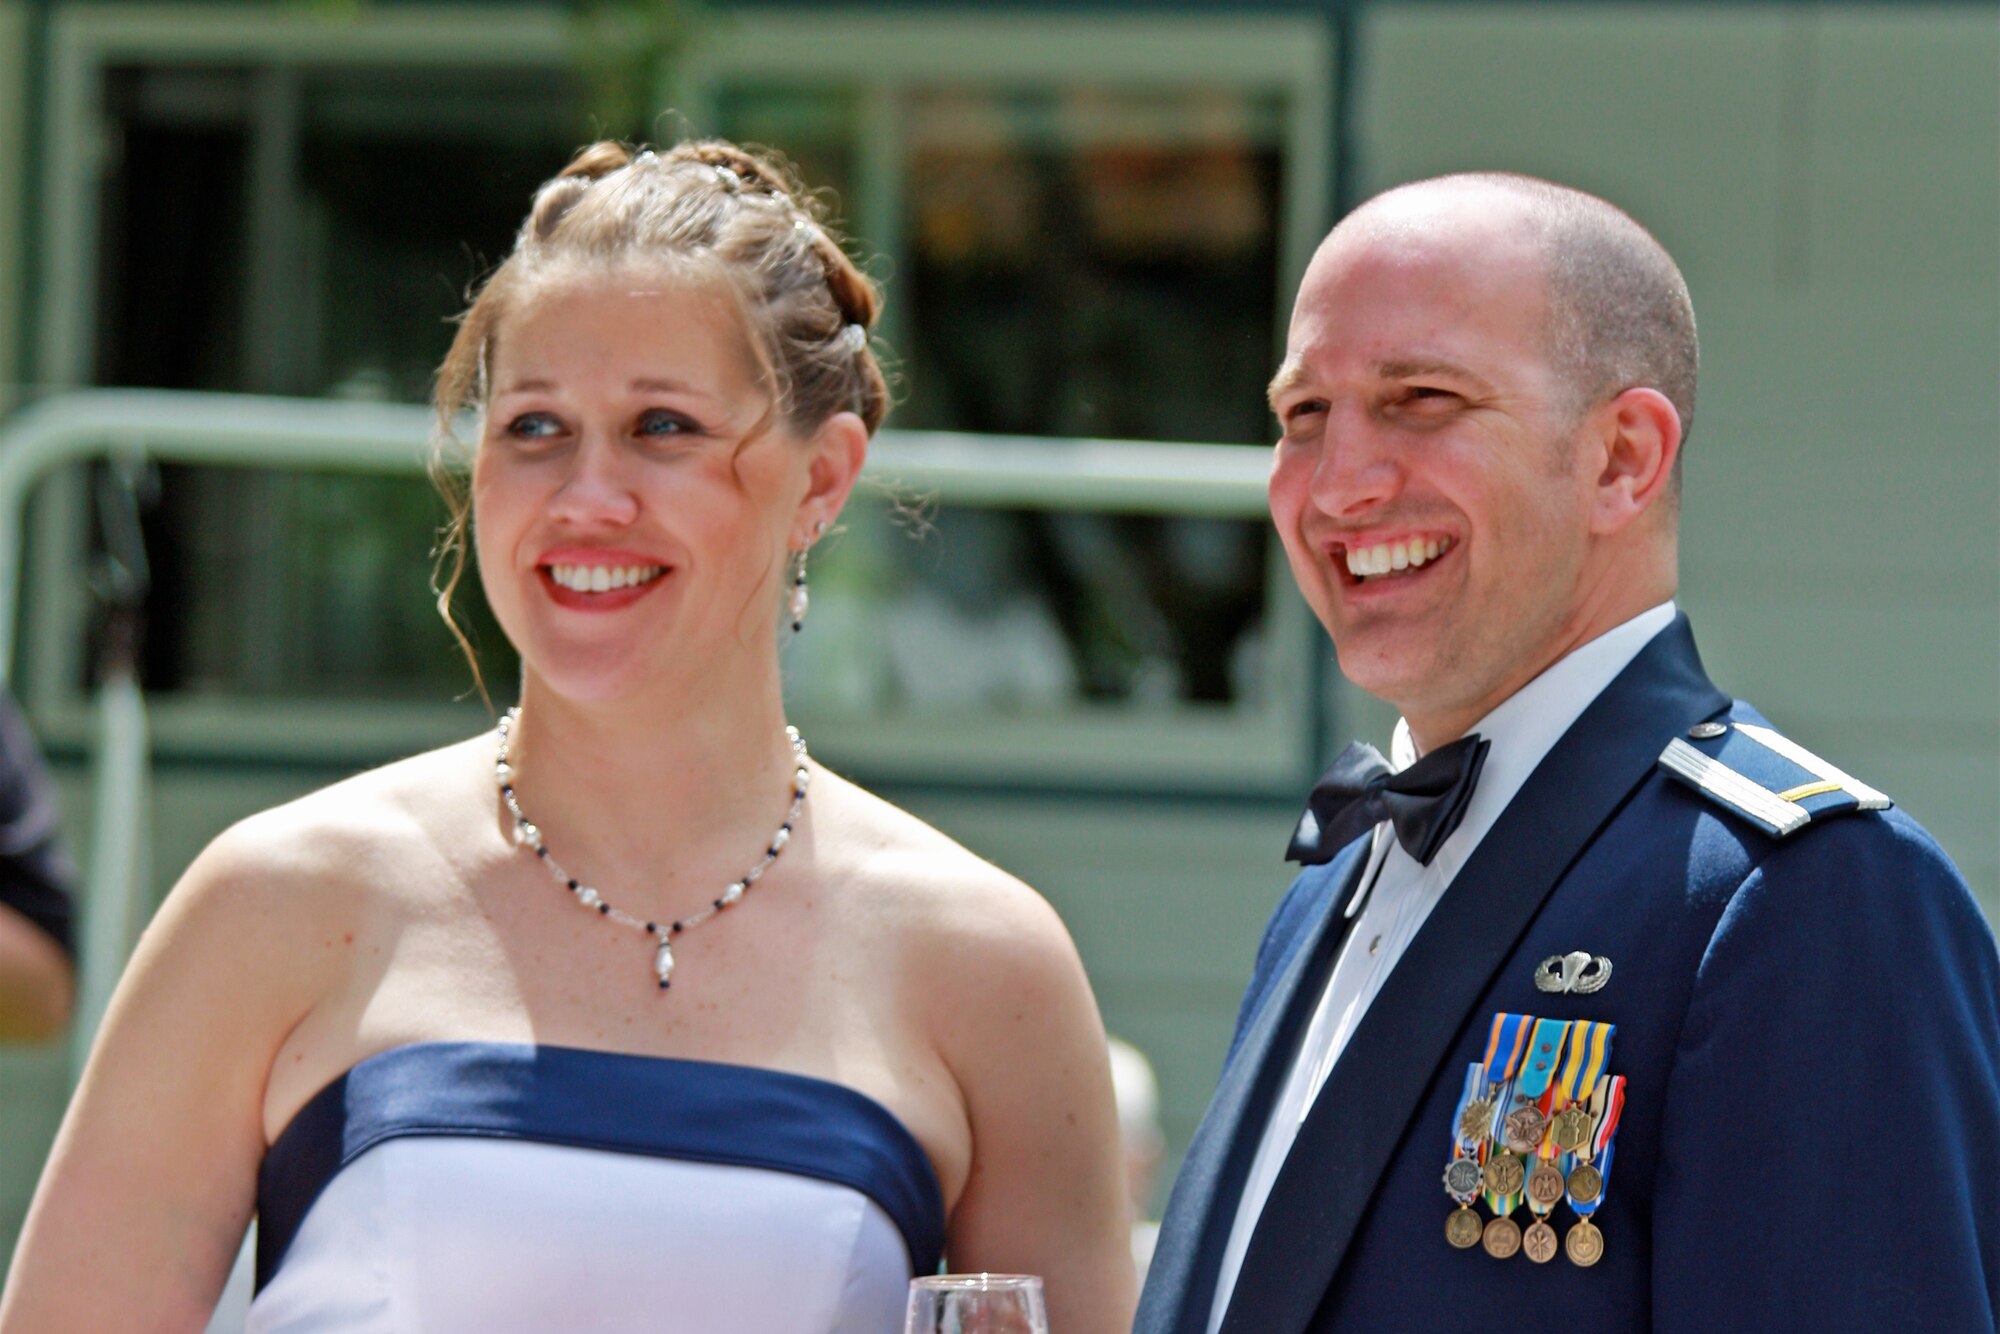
<point>1504,1173</point>
<point>1585,1183</point>
<point>1544,1189</point>
<point>1545,1186</point>
<point>1524,1128</point>
<point>1502,1238</point>
<point>1527,1123</point>
<point>1462,1228</point>
<point>1571,1130</point>
<point>1475,1120</point>
<point>1584,1245</point>
<point>1462,1180</point>
<point>1462,1175</point>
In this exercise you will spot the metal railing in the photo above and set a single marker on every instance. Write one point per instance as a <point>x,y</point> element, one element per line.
<point>1219,481</point>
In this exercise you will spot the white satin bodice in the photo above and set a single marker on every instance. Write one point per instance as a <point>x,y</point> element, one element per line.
<point>475,1187</point>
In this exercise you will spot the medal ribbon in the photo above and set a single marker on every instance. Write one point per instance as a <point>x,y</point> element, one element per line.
<point>1589,1053</point>
<point>1475,1082</point>
<point>1544,1056</point>
<point>1505,1044</point>
<point>1601,1145</point>
<point>1501,1205</point>
<point>1532,1088</point>
<point>1607,1128</point>
<point>1513,1042</point>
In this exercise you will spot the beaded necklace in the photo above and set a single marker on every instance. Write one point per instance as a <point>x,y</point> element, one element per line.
<point>528,835</point>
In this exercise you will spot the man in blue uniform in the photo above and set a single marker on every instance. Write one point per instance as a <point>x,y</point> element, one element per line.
<point>1605,1006</point>
<point>36,980</point>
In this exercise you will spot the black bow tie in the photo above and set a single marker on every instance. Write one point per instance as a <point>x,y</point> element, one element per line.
<point>1425,801</point>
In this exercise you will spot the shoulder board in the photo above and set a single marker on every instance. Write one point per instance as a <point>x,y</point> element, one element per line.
<point>1769,780</point>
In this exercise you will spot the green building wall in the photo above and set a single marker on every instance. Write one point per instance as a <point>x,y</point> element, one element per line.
<point>14,157</point>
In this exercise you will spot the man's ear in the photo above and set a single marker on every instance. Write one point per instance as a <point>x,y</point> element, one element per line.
<point>838,449</point>
<point>1639,438</point>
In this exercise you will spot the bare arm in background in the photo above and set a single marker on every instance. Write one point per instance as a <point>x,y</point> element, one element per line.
<point>36,981</point>
<point>36,883</point>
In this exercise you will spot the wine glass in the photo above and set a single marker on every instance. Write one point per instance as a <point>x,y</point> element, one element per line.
<point>976,1304</point>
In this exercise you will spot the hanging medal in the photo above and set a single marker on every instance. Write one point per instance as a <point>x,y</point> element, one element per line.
<point>1577,1093</point>
<point>1462,1174</point>
<point>1528,1118</point>
<point>1584,1245</point>
<point>1505,1043</point>
<point>1528,1134</point>
<point>1504,1172</point>
<point>1571,1125</point>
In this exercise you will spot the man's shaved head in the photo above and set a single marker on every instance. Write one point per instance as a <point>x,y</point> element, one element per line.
<point>1618,310</point>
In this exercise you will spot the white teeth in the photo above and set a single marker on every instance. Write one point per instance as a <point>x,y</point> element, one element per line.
<point>603,578</point>
<point>1394,557</point>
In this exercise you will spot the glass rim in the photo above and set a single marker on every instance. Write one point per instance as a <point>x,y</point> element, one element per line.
<point>981,1282</point>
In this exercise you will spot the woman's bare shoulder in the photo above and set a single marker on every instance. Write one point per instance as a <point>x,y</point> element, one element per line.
<point>260,920</point>
<point>907,866</point>
<point>343,844</point>
<point>954,913</point>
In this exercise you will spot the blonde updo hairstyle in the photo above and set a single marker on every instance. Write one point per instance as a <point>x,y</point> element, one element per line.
<point>712,213</point>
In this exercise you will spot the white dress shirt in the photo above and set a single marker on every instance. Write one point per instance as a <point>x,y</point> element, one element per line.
<point>1398,894</point>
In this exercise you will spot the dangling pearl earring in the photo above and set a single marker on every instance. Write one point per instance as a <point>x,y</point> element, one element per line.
<point>799,601</point>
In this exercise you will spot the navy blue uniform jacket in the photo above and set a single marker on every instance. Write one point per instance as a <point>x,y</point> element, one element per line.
<point>1809,1028</point>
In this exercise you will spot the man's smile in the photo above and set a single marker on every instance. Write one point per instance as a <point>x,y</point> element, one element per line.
<point>1368,561</point>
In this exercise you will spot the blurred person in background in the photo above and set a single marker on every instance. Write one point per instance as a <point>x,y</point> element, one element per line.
<point>37,976</point>
<point>1138,1092</point>
<point>1593,909</point>
<point>600,1021</point>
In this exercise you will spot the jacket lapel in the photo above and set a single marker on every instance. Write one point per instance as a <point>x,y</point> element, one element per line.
<point>1180,1284</point>
<point>1363,1112</point>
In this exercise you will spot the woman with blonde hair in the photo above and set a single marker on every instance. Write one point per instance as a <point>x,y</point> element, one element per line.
<point>628,1015</point>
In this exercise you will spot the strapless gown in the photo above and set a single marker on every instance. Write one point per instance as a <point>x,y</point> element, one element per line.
<point>485,1188</point>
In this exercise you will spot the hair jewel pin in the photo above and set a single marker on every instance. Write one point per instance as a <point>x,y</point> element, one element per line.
<point>853,337</point>
<point>726,175</point>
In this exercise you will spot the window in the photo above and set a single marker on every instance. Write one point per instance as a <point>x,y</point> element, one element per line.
<point>1085,227</point>
<point>1084,234</point>
<point>310,232</point>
